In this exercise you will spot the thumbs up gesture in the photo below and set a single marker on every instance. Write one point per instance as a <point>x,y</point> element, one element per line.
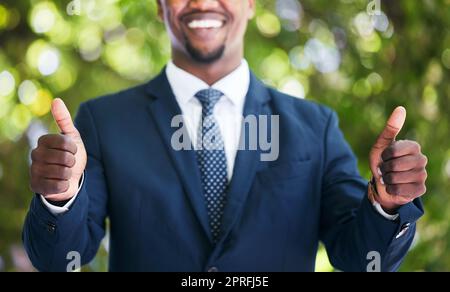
<point>398,167</point>
<point>59,160</point>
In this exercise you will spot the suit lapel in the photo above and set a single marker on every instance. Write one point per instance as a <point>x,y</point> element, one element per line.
<point>163,108</point>
<point>247,161</point>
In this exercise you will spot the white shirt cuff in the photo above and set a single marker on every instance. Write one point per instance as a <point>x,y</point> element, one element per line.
<point>55,210</point>
<point>380,210</point>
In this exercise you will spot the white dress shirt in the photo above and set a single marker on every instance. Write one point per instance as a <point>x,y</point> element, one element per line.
<point>228,112</point>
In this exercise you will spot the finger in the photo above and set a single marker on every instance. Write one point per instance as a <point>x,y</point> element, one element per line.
<point>402,200</point>
<point>403,177</point>
<point>410,190</point>
<point>49,186</point>
<point>393,126</point>
<point>400,148</point>
<point>49,171</point>
<point>58,142</point>
<point>62,117</point>
<point>404,163</point>
<point>53,156</point>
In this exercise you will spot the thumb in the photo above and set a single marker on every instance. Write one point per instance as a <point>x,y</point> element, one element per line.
<point>393,127</point>
<point>62,118</point>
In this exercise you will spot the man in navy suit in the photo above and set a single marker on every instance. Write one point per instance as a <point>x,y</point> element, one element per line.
<point>218,208</point>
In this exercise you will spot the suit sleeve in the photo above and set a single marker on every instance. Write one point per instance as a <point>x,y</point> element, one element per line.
<point>49,238</point>
<point>350,227</point>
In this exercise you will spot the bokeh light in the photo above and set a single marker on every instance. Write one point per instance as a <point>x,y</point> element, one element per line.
<point>42,104</point>
<point>21,117</point>
<point>7,83</point>
<point>27,92</point>
<point>268,24</point>
<point>292,87</point>
<point>48,61</point>
<point>291,13</point>
<point>326,58</point>
<point>43,17</point>
<point>447,169</point>
<point>4,17</point>
<point>446,58</point>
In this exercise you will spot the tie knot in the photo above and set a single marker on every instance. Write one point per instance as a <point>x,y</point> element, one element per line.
<point>208,98</point>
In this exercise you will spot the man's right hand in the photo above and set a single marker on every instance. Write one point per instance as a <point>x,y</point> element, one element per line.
<point>59,160</point>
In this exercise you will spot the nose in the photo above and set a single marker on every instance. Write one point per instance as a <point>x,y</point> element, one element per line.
<point>203,5</point>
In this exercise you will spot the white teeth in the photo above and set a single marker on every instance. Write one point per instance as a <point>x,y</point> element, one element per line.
<point>205,23</point>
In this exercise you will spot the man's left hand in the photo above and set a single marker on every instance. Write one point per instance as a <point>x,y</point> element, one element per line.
<point>398,167</point>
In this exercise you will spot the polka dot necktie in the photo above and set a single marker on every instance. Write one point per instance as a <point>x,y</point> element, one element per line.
<point>212,160</point>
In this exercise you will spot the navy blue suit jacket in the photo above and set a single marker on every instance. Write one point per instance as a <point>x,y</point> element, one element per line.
<point>276,212</point>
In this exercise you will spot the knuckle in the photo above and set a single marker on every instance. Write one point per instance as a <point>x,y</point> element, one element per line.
<point>36,185</point>
<point>413,145</point>
<point>424,160</point>
<point>34,154</point>
<point>46,138</point>
<point>42,139</point>
<point>417,146</point>
<point>34,170</point>
<point>75,148</point>
<point>61,186</point>
<point>68,159</point>
<point>423,175</point>
<point>409,143</point>
<point>422,189</point>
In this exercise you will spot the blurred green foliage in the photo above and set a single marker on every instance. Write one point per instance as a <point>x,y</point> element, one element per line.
<point>329,51</point>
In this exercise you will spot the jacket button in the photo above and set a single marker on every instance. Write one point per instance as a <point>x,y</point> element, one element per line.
<point>213,270</point>
<point>51,228</point>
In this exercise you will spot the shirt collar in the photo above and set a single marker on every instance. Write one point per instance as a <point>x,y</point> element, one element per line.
<point>185,85</point>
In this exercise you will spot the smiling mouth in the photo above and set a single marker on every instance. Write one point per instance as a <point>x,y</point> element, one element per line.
<point>204,21</point>
<point>205,24</point>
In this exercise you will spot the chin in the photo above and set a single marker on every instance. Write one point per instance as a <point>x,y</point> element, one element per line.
<point>205,57</point>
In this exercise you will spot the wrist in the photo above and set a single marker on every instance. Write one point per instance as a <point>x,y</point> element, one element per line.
<point>390,209</point>
<point>58,203</point>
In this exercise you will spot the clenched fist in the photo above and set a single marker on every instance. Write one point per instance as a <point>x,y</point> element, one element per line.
<point>59,160</point>
<point>397,166</point>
